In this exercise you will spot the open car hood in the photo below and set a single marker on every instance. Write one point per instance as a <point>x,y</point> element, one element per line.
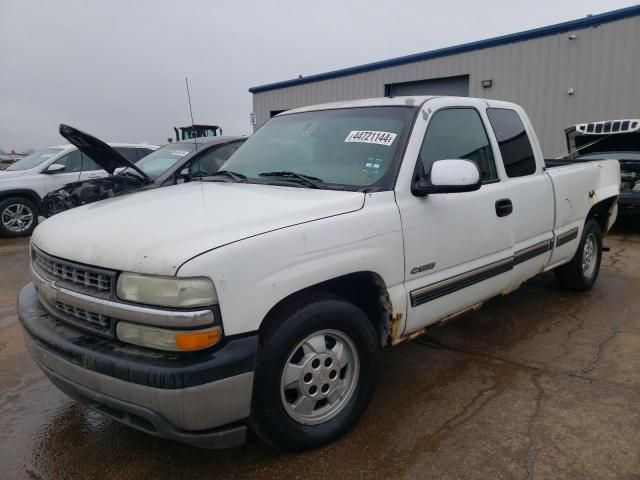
<point>101,153</point>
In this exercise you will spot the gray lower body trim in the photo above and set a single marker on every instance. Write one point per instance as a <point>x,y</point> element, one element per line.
<point>567,236</point>
<point>191,409</point>
<point>533,251</point>
<point>146,420</point>
<point>458,282</point>
<point>453,284</point>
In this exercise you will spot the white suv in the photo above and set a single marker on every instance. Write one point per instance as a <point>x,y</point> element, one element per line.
<point>24,184</point>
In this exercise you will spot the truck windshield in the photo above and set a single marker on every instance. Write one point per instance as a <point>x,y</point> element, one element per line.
<point>350,148</point>
<point>158,162</point>
<point>35,159</point>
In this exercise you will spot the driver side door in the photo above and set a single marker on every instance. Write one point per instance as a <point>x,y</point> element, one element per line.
<point>72,163</point>
<point>458,248</point>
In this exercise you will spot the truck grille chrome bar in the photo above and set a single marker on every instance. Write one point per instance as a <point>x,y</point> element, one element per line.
<point>73,274</point>
<point>84,315</point>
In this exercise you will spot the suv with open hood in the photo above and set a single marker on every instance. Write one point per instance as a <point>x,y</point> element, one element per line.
<point>24,184</point>
<point>174,163</point>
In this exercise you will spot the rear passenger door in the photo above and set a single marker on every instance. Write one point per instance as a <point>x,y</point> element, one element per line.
<point>529,190</point>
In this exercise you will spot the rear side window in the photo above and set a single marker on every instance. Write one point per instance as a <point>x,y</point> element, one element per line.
<point>515,146</point>
<point>88,164</point>
<point>457,133</point>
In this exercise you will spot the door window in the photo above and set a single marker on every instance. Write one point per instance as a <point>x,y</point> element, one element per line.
<point>88,164</point>
<point>515,147</point>
<point>72,162</point>
<point>211,161</point>
<point>458,133</point>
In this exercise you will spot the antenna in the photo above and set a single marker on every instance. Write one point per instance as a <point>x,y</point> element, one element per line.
<point>186,81</point>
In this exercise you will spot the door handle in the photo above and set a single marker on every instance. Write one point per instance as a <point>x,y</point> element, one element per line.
<point>504,207</point>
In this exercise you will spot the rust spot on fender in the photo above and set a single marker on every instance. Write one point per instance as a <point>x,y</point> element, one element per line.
<point>394,327</point>
<point>422,331</point>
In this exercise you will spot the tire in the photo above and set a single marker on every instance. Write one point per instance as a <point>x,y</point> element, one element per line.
<point>581,272</point>
<point>18,217</point>
<point>291,353</point>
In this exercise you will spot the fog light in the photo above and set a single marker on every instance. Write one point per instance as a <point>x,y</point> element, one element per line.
<point>165,339</point>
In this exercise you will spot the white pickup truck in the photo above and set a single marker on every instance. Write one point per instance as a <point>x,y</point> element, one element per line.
<point>263,295</point>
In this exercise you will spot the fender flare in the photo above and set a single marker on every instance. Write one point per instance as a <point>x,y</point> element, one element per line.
<point>24,192</point>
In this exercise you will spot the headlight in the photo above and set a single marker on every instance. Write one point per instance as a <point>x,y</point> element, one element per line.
<point>164,339</point>
<point>166,291</point>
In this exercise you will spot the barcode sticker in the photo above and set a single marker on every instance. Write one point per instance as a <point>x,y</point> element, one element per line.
<point>371,136</point>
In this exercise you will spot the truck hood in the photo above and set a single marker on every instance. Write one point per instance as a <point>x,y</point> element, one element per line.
<point>156,231</point>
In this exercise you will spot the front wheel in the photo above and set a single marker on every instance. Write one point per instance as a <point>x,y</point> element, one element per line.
<point>315,373</point>
<point>18,217</point>
<point>581,272</point>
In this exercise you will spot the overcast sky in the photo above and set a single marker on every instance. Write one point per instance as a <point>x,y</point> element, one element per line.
<point>116,68</point>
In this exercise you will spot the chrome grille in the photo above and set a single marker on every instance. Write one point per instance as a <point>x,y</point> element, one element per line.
<point>95,319</point>
<point>90,278</point>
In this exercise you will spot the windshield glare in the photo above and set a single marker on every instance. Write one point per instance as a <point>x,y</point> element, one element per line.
<point>35,159</point>
<point>158,162</point>
<point>351,147</point>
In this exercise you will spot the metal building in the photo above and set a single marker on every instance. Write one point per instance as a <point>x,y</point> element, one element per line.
<point>572,72</point>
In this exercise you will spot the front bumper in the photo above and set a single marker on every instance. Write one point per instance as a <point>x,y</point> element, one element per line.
<point>199,398</point>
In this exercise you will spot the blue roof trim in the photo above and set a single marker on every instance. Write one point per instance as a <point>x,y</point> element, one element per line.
<point>585,22</point>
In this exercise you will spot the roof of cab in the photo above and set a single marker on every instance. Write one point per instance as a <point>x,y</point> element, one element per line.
<point>410,101</point>
<point>414,101</point>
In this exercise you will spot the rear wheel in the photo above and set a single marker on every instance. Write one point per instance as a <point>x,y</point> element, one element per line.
<point>18,217</point>
<point>315,373</point>
<point>582,271</point>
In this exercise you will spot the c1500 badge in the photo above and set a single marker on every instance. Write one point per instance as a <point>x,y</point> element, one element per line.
<point>423,268</point>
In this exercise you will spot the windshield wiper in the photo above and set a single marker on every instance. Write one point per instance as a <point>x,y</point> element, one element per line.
<point>313,182</point>
<point>234,176</point>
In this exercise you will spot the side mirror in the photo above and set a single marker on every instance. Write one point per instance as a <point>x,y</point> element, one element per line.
<point>185,175</point>
<point>449,176</point>
<point>55,168</point>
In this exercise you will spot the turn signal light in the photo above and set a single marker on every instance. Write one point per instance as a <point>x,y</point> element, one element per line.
<point>187,341</point>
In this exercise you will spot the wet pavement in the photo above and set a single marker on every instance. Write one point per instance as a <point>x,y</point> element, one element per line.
<point>541,383</point>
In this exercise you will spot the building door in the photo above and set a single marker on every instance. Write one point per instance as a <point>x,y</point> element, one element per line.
<point>452,86</point>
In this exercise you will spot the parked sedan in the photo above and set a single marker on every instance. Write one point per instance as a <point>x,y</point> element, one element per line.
<point>174,163</point>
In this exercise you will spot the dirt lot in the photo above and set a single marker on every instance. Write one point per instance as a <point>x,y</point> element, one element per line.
<point>539,384</point>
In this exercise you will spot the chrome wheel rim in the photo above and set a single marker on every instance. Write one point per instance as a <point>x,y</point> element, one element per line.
<point>589,255</point>
<point>319,377</point>
<point>17,217</point>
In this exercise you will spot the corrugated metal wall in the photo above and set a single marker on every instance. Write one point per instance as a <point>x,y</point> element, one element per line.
<point>602,65</point>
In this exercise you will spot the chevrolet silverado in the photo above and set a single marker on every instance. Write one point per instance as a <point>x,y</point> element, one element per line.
<point>262,296</point>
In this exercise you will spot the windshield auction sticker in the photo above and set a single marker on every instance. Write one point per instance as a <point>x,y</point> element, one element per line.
<point>369,136</point>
